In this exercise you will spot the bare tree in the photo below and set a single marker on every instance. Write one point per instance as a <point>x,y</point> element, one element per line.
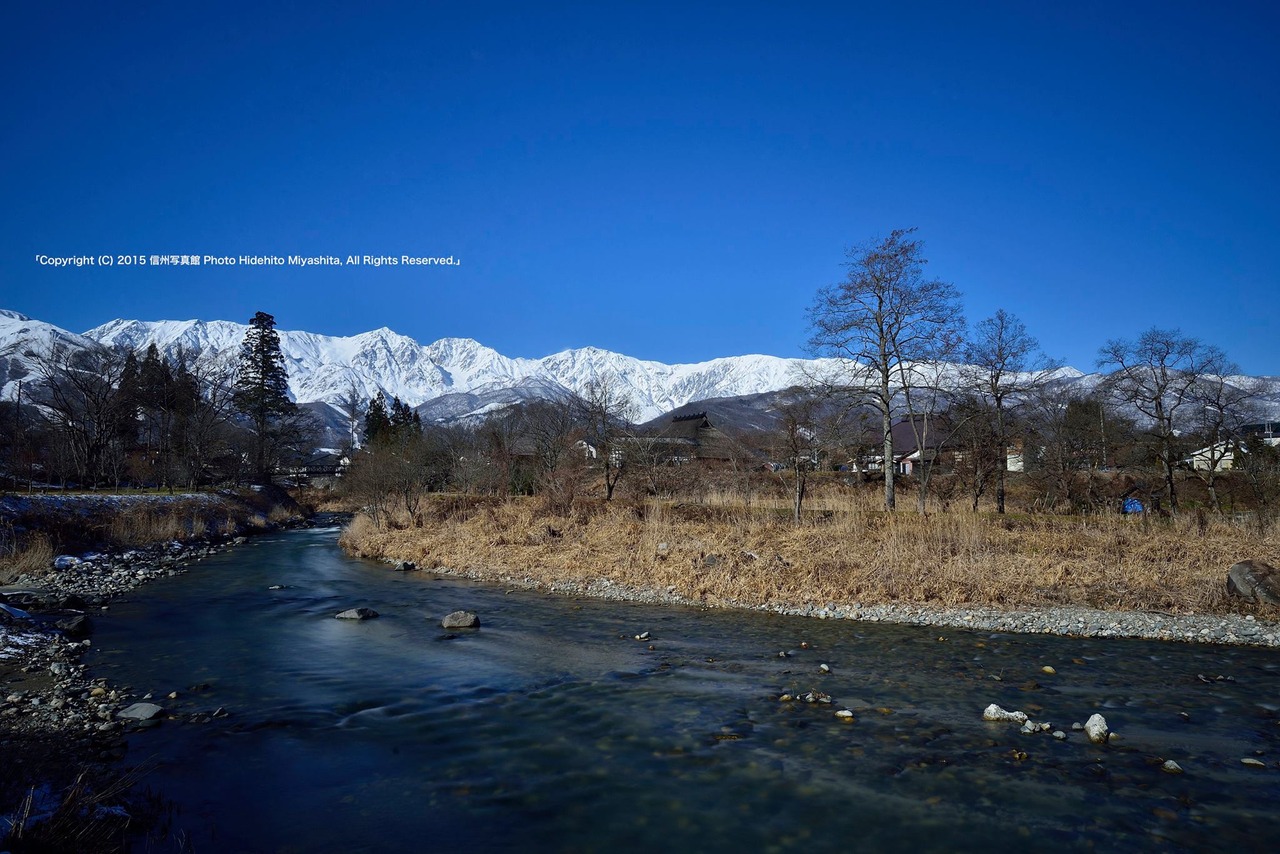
<point>606,411</point>
<point>1158,376</point>
<point>885,315</point>
<point>554,435</point>
<point>798,416</point>
<point>352,406</point>
<point>80,393</point>
<point>1002,365</point>
<point>976,447</point>
<point>1223,402</point>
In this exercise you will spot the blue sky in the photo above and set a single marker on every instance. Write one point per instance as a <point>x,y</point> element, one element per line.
<point>671,181</point>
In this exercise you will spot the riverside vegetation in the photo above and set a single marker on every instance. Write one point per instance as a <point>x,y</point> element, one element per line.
<point>846,553</point>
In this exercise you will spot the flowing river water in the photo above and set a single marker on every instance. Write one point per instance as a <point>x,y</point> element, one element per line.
<point>551,728</point>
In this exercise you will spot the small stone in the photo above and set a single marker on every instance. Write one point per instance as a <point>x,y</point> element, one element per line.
<point>1171,767</point>
<point>1048,669</point>
<point>785,698</point>
<point>173,695</point>
<point>825,668</point>
<point>1253,763</point>
<point>643,636</point>
<point>784,654</point>
<point>1059,735</point>
<point>845,716</point>
<point>468,620</point>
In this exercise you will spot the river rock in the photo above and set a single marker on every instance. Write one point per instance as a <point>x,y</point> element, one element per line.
<point>77,626</point>
<point>1096,729</point>
<point>140,712</point>
<point>357,614</point>
<point>1254,581</point>
<point>995,713</point>
<point>461,620</point>
<point>1171,767</point>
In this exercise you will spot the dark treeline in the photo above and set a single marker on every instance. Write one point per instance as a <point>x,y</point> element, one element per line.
<point>107,417</point>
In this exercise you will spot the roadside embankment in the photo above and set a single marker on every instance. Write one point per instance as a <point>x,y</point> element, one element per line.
<point>1089,576</point>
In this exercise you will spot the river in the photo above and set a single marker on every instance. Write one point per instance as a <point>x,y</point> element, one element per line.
<point>551,728</point>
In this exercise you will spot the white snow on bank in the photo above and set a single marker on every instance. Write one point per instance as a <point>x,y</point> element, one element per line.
<point>13,641</point>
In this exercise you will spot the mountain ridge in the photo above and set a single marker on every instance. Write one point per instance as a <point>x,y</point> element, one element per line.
<point>325,368</point>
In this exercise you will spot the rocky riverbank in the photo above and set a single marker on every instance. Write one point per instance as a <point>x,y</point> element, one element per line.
<point>57,724</point>
<point>1059,620</point>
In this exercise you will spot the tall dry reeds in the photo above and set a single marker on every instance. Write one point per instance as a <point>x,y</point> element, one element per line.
<point>845,551</point>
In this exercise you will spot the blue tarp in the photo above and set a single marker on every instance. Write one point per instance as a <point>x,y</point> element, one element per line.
<point>1131,505</point>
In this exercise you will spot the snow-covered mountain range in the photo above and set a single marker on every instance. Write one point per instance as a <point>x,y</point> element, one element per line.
<point>323,368</point>
<point>448,380</point>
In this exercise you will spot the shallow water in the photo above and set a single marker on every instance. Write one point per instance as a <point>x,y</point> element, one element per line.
<point>551,728</point>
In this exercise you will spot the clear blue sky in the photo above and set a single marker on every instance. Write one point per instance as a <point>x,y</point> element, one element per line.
<point>671,181</point>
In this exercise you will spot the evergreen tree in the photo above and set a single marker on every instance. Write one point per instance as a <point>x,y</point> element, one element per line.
<point>401,417</point>
<point>262,386</point>
<point>130,400</point>
<point>376,421</point>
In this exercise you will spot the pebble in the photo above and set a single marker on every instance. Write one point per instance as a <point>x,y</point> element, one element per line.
<point>1171,767</point>
<point>1253,763</point>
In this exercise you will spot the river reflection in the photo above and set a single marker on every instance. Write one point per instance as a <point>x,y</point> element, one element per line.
<point>551,728</point>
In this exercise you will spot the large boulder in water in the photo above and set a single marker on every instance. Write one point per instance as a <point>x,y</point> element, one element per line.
<point>76,626</point>
<point>461,620</point>
<point>357,614</point>
<point>1254,581</point>
<point>140,712</point>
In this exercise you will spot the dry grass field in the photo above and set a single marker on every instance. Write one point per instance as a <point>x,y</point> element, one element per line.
<point>846,551</point>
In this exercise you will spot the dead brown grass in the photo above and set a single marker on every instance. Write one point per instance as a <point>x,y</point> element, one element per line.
<point>846,552</point>
<point>32,557</point>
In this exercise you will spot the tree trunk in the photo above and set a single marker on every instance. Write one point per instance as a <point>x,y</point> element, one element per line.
<point>887,424</point>
<point>799,496</point>
<point>1002,458</point>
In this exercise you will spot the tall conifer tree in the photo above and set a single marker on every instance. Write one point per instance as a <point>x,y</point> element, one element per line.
<point>262,386</point>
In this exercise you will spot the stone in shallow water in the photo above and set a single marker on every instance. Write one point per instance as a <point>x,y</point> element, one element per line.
<point>357,614</point>
<point>1171,767</point>
<point>995,713</point>
<point>140,712</point>
<point>464,620</point>
<point>1096,729</point>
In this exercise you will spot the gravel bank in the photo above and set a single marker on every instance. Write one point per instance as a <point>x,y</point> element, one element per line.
<point>1058,620</point>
